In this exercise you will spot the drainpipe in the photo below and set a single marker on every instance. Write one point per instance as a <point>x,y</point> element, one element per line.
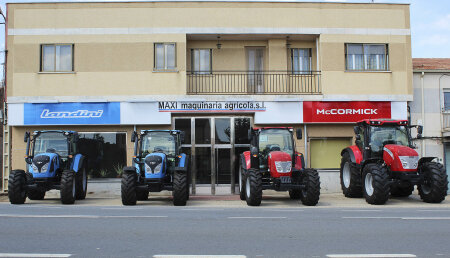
<point>423,146</point>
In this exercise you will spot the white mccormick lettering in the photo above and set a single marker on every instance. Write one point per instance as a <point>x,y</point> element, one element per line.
<point>348,111</point>
<point>76,114</point>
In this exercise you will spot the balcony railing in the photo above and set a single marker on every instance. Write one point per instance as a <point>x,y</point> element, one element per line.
<point>253,82</point>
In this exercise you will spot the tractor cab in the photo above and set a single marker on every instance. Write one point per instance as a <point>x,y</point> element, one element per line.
<point>373,135</point>
<point>48,151</point>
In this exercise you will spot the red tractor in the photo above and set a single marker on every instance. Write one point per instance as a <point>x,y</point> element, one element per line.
<point>273,163</point>
<point>383,162</point>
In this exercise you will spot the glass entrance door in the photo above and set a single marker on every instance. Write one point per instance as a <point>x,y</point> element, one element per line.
<point>213,143</point>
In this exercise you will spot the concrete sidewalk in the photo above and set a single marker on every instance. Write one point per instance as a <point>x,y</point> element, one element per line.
<point>106,192</point>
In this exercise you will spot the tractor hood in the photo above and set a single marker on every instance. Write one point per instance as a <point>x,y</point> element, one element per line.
<point>280,164</point>
<point>400,158</point>
<point>43,165</point>
<point>155,164</point>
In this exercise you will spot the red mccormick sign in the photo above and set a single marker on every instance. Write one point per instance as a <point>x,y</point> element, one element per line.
<point>344,112</point>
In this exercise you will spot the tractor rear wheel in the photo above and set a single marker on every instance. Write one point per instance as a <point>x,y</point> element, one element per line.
<point>35,194</point>
<point>398,191</point>
<point>68,187</point>
<point>253,187</point>
<point>142,195</point>
<point>311,193</point>
<point>434,187</point>
<point>81,183</point>
<point>241,182</point>
<point>375,184</point>
<point>17,192</point>
<point>180,184</point>
<point>350,178</point>
<point>295,194</point>
<point>128,188</point>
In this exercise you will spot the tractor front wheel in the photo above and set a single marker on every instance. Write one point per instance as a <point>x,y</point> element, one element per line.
<point>81,183</point>
<point>128,188</point>
<point>17,192</point>
<point>180,184</point>
<point>295,194</point>
<point>350,178</point>
<point>434,187</point>
<point>68,187</point>
<point>375,184</point>
<point>311,193</point>
<point>241,182</point>
<point>142,195</point>
<point>253,187</point>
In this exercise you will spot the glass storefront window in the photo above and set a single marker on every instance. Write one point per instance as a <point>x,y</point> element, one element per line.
<point>241,127</point>
<point>202,131</point>
<point>223,130</point>
<point>184,124</point>
<point>106,153</point>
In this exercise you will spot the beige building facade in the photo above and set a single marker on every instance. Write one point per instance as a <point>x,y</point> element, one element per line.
<point>211,69</point>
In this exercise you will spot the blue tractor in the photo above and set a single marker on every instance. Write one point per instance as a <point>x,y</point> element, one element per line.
<point>52,163</point>
<point>158,165</point>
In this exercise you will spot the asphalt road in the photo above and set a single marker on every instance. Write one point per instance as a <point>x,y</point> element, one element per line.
<point>145,231</point>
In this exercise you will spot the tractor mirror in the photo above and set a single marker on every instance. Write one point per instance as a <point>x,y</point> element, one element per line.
<point>299,133</point>
<point>358,137</point>
<point>420,129</point>
<point>26,136</point>
<point>356,129</point>
<point>133,136</point>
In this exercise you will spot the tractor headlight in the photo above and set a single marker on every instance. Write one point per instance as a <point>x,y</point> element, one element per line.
<point>409,162</point>
<point>34,167</point>
<point>283,166</point>
<point>157,168</point>
<point>44,168</point>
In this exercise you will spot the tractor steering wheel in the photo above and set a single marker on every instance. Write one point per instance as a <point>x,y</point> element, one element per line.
<point>389,142</point>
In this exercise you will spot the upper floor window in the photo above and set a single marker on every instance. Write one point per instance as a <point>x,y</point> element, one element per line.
<point>447,101</point>
<point>57,58</point>
<point>201,61</point>
<point>366,57</point>
<point>165,58</point>
<point>301,60</point>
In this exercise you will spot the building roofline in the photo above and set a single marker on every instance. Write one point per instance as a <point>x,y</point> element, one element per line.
<point>207,1</point>
<point>430,71</point>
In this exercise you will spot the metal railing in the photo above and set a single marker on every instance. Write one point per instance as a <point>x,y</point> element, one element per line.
<point>253,82</point>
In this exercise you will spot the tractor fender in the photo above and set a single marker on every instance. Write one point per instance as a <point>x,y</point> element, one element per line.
<point>299,161</point>
<point>354,152</point>
<point>425,159</point>
<point>246,160</point>
<point>129,170</point>
<point>183,163</point>
<point>78,162</point>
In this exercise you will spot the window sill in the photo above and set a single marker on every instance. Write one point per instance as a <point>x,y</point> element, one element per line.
<point>57,72</point>
<point>357,71</point>
<point>165,71</point>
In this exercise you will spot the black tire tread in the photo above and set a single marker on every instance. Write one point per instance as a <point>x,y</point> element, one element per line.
<point>79,193</point>
<point>35,194</point>
<point>255,178</point>
<point>67,181</point>
<point>380,184</point>
<point>397,191</point>
<point>355,188</point>
<point>180,183</point>
<point>295,194</point>
<point>128,188</point>
<point>312,182</point>
<point>439,183</point>
<point>16,187</point>
<point>243,172</point>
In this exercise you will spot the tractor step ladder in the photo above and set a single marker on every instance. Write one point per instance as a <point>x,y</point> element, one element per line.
<point>6,157</point>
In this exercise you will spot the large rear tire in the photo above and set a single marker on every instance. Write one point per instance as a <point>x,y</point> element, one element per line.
<point>142,195</point>
<point>68,187</point>
<point>435,185</point>
<point>405,191</point>
<point>253,187</point>
<point>310,195</point>
<point>128,188</point>
<point>241,182</point>
<point>17,192</point>
<point>35,194</point>
<point>180,184</point>
<point>350,178</point>
<point>81,183</point>
<point>375,184</point>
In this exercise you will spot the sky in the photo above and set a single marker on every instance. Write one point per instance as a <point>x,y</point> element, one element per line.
<point>430,26</point>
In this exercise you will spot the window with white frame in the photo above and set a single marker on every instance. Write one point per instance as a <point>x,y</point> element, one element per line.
<point>57,58</point>
<point>201,61</point>
<point>165,56</point>
<point>447,101</point>
<point>366,57</point>
<point>300,60</point>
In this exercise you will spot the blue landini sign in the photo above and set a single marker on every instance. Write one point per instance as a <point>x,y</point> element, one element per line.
<point>77,113</point>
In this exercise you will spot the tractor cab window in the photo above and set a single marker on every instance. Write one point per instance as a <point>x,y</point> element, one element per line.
<point>275,140</point>
<point>162,142</point>
<point>51,143</point>
<point>387,134</point>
